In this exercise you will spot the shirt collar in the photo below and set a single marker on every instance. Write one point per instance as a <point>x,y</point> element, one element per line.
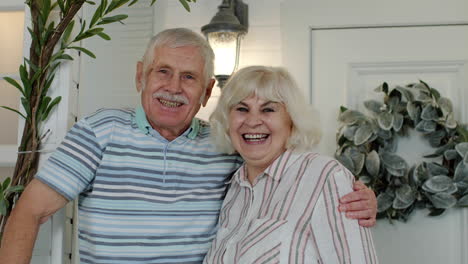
<point>274,171</point>
<point>145,127</point>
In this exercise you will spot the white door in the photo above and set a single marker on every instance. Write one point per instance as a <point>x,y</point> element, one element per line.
<point>342,51</point>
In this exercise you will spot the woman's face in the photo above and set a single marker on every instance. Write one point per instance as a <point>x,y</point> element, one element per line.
<point>259,130</point>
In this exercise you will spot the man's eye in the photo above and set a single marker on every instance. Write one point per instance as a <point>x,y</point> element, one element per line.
<point>189,77</point>
<point>162,71</point>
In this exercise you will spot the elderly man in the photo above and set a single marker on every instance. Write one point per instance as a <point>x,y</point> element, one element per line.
<point>148,181</point>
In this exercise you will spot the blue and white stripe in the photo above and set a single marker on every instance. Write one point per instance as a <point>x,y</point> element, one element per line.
<point>142,199</point>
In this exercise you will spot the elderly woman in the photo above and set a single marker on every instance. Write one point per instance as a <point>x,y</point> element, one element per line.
<point>282,203</point>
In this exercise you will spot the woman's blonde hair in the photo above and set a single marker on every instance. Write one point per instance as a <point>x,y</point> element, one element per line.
<point>269,83</point>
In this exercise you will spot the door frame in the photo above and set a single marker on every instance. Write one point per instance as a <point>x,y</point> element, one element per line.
<point>300,18</point>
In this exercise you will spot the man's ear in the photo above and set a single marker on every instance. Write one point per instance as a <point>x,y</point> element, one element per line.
<point>139,76</point>
<point>208,91</point>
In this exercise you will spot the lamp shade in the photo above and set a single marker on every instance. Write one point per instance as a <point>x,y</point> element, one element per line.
<point>224,33</point>
<point>226,48</point>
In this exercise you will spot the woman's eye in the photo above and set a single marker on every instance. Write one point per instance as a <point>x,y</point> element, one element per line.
<point>162,71</point>
<point>242,109</point>
<point>268,110</point>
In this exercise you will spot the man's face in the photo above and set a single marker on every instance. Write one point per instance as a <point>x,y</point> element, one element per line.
<point>172,87</point>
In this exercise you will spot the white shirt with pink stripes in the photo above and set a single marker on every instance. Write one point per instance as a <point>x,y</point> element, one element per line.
<point>289,215</point>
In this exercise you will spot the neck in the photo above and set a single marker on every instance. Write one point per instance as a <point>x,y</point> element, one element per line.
<point>253,172</point>
<point>169,134</point>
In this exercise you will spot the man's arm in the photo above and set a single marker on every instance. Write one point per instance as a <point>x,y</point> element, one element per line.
<point>36,204</point>
<point>360,204</point>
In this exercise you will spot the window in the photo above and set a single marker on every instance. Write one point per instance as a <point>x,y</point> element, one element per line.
<point>11,54</point>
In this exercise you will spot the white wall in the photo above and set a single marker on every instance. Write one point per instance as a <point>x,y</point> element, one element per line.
<point>108,81</point>
<point>261,45</point>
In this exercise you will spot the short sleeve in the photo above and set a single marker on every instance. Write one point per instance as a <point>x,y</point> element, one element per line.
<point>72,167</point>
<point>336,238</point>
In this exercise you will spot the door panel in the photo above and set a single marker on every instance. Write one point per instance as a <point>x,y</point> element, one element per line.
<point>339,51</point>
<point>347,64</point>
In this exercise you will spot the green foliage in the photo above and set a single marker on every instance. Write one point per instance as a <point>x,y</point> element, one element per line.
<point>367,147</point>
<point>5,191</point>
<point>53,35</point>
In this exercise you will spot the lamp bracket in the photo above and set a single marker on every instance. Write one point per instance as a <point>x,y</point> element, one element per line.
<point>241,11</point>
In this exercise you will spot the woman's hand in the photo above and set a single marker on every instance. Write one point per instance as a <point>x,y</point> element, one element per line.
<point>360,204</point>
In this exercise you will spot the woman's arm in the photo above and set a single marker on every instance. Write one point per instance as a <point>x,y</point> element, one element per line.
<point>336,238</point>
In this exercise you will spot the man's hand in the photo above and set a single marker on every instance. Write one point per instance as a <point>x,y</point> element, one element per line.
<point>360,204</point>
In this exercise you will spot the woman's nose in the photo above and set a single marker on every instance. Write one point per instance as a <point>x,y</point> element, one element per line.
<point>253,119</point>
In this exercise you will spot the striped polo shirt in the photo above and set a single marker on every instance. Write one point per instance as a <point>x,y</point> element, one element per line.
<point>141,198</point>
<point>289,215</point>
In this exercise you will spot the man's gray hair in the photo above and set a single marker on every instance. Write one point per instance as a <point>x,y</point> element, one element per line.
<point>269,83</point>
<point>181,37</point>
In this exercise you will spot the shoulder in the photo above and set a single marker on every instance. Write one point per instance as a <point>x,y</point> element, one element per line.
<point>205,129</point>
<point>319,164</point>
<point>106,116</point>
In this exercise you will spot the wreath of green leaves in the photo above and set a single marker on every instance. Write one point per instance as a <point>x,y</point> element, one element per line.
<point>367,147</point>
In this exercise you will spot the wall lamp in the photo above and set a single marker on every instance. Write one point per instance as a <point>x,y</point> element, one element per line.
<point>224,33</point>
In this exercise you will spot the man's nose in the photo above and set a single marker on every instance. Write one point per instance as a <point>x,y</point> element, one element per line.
<point>174,84</point>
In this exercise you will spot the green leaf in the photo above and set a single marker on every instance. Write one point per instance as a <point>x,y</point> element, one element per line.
<point>86,51</point>
<point>405,194</point>
<point>104,36</point>
<point>436,169</point>
<point>446,105</point>
<point>357,157</point>
<point>463,201</point>
<point>438,184</point>
<point>61,6</point>
<point>384,202</point>
<point>346,161</point>
<point>413,111</point>
<point>3,207</point>
<point>393,161</point>
<point>67,32</point>
<point>185,5</point>
<point>97,14</point>
<point>44,104</point>
<point>429,113</point>
<point>6,183</point>
<point>385,120</point>
<point>25,104</point>
<point>14,189</point>
<point>115,4</point>
<point>420,174</point>
<point>14,110</point>
<point>112,19</point>
<point>88,33</point>
<point>350,117</point>
<point>135,1</point>
<point>363,133</point>
<point>443,200</point>
<point>65,57</point>
<point>15,84</point>
<point>373,105</point>
<point>426,126</point>
<point>397,121</point>
<point>51,106</point>
<point>90,2</point>
<point>373,163</point>
<point>450,154</point>
<point>461,172</point>
<point>462,148</point>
